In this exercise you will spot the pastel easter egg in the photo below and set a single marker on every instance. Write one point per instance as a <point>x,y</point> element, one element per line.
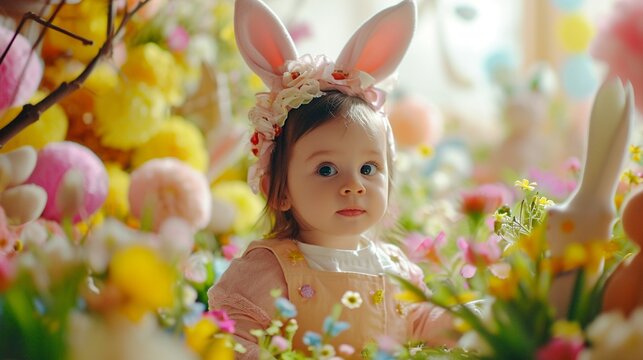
<point>54,161</point>
<point>20,71</point>
<point>415,122</point>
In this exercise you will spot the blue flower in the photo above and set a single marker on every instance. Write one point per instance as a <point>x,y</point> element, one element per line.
<point>285,308</point>
<point>312,339</point>
<point>194,313</point>
<point>333,328</point>
<point>383,355</point>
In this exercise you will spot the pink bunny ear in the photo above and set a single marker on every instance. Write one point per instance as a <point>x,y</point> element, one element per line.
<point>378,46</point>
<point>263,40</point>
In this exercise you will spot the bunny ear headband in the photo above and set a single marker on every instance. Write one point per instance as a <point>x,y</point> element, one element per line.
<point>370,56</point>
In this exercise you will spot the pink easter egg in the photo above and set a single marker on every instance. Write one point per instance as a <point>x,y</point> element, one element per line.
<point>54,160</point>
<point>415,122</point>
<point>632,216</point>
<point>19,79</point>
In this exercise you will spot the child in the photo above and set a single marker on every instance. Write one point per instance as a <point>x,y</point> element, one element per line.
<point>325,164</point>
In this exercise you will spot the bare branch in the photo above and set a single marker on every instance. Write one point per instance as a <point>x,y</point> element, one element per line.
<point>30,113</point>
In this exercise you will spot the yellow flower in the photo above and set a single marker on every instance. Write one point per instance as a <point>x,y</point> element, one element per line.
<point>544,202</point>
<point>176,138</point>
<point>220,348</point>
<point>157,68</point>
<point>129,115</point>
<point>425,150</point>
<point>588,256</point>
<point>146,281</point>
<point>631,178</point>
<point>504,289</point>
<point>567,330</point>
<point>635,150</point>
<point>249,206</point>
<point>51,127</point>
<point>525,184</point>
<point>200,334</point>
<point>117,203</point>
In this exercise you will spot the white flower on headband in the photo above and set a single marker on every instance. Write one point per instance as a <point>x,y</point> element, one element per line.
<point>303,80</point>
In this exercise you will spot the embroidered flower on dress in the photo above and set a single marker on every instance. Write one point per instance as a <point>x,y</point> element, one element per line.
<point>304,79</point>
<point>352,299</point>
<point>295,257</point>
<point>306,291</point>
<point>378,296</point>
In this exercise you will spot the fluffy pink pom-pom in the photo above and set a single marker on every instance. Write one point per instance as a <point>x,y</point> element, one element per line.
<point>620,44</point>
<point>16,88</point>
<point>415,122</point>
<point>54,161</point>
<point>170,188</point>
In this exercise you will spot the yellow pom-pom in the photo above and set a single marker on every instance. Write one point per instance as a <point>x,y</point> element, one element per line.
<point>176,138</point>
<point>157,68</point>
<point>87,19</point>
<point>117,204</point>
<point>129,115</point>
<point>51,127</point>
<point>248,205</point>
<point>145,280</point>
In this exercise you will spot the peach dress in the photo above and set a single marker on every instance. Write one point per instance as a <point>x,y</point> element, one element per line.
<point>244,293</point>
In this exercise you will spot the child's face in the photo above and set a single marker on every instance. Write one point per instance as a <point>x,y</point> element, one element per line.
<point>338,183</point>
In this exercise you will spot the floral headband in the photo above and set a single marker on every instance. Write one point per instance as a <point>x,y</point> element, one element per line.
<point>371,55</point>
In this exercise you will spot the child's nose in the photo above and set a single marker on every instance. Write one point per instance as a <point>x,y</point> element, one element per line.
<point>353,186</point>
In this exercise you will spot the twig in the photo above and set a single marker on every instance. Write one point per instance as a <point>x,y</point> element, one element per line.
<point>30,113</point>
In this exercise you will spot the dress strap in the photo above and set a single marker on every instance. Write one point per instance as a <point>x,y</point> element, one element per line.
<point>285,250</point>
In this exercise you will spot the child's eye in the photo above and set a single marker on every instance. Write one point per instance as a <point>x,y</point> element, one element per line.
<point>368,169</point>
<point>326,170</point>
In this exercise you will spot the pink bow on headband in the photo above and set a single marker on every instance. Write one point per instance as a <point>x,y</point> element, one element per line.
<point>371,55</point>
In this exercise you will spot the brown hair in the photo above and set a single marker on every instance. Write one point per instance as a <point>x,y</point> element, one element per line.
<point>301,121</point>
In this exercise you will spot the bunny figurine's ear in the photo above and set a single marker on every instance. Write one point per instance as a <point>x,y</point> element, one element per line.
<point>609,127</point>
<point>263,40</point>
<point>378,46</point>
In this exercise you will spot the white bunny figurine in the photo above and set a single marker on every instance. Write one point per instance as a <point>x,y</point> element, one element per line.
<point>589,212</point>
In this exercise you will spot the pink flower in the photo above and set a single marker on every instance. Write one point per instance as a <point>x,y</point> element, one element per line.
<point>230,251</point>
<point>560,349</point>
<point>619,43</point>
<point>572,164</point>
<point>346,349</point>
<point>485,199</point>
<point>477,254</point>
<point>223,321</point>
<point>553,184</point>
<point>279,342</point>
<point>178,39</point>
<point>421,247</point>
<point>168,187</point>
